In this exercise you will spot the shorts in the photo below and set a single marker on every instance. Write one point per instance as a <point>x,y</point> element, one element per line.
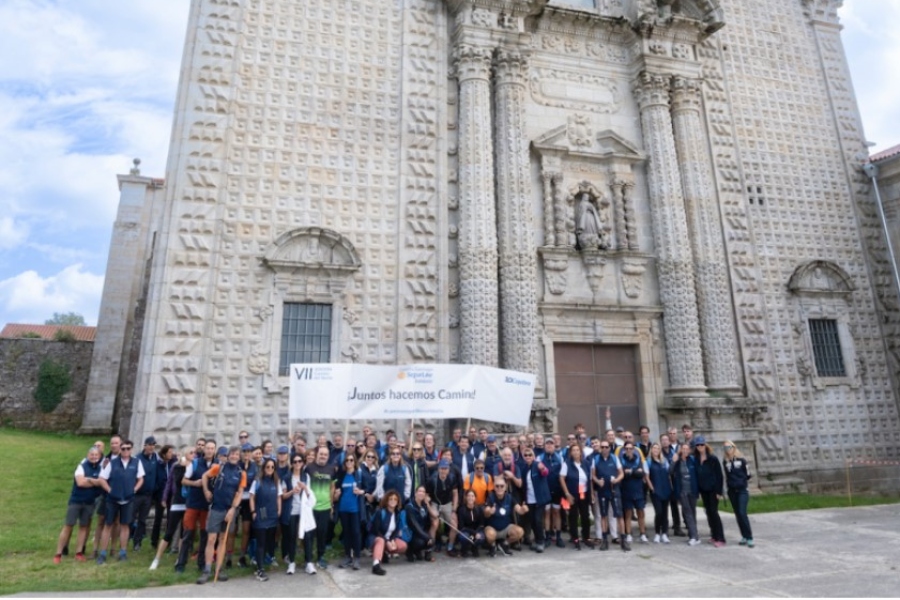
<point>502,534</point>
<point>101,506</point>
<point>215,523</point>
<point>556,498</point>
<point>123,512</point>
<point>445,511</point>
<point>194,518</point>
<point>614,501</point>
<point>634,503</point>
<point>79,513</point>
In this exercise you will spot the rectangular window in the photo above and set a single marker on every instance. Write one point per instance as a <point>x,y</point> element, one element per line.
<point>305,335</point>
<point>827,348</point>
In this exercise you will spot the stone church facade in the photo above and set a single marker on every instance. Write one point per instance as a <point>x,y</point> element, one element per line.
<point>657,207</point>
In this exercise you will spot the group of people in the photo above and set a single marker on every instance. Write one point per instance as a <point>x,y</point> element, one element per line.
<point>480,492</point>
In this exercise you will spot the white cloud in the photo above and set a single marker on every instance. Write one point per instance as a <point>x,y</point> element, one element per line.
<point>30,298</point>
<point>12,234</point>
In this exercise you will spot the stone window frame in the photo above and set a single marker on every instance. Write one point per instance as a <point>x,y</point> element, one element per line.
<point>309,265</point>
<point>821,290</point>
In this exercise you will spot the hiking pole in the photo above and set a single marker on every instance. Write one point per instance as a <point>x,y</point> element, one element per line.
<point>458,532</point>
<point>222,542</point>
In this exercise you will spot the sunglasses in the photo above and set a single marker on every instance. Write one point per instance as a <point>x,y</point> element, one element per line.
<point>479,468</point>
<point>370,456</point>
<point>123,448</point>
<point>499,487</point>
<point>243,437</point>
<point>527,455</point>
<point>602,447</point>
<point>349,460</point>
<point>417,449</point>
<point>395,454</point>
<point>297,462</point>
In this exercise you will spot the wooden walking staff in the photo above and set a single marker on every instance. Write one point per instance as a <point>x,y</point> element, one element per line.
<point>221,544</point>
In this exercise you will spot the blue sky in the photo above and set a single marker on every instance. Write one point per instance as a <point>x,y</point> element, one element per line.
<point>87,85</point>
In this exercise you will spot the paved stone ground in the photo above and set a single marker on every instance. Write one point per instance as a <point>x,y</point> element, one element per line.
<point>819,553</point>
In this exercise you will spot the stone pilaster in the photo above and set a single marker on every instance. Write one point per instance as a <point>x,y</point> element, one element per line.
<point>717,331</point>
<point>478,285</point>
<point>515,221</point>
<point>676,274</point>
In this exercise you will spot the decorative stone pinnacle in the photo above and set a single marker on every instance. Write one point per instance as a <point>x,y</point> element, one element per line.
<point>136,169</point>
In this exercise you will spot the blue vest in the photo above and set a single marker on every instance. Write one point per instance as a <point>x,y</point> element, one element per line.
<point>632,485</point>
<point>541,485</point>
<point>572,476</point>
<point>266,504</point>
<point>86,495</point>
<point>122,479</point>
<point>459,457</point>
<point>196,499</point>
<point>395,479</point>
<point>554,463</point>
<point>152,466</point>
<point>491,460</point>
<point>607,470</point>
<point>692,471</point>
<point>226,485</point>
<point>659,477</point>
<point>501,521</point>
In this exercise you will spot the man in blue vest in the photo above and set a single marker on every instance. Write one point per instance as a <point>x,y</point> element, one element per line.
<point>498,512</point>
<point>121,478</point>
<point>154,471</point>
<point>553,517</point>
<point>85,489</point>
<point>606,474</point>
<point>197,507</point>
<point>228,483</point>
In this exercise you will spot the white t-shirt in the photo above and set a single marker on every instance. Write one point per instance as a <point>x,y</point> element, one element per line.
<point>529,496</point>
<point>392,525</point>
<point>104,474</point>
<point>582,476</point>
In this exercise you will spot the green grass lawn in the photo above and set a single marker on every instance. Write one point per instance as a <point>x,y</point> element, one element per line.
<point>40,467</point>
<point>782,502</point>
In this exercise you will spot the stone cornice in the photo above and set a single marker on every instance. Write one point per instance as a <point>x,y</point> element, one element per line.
<point>512,7</point>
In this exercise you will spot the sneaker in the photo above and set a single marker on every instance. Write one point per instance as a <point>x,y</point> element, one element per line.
<point>261,575</point>
<point>242,562</point>
<point>137,546</point>
<point>665,539</point>
<point>356,564</point>
<point>101,558</point>
<point>656,539</point>
<point>453,552</point>
<point>323,564</point>
<point>718,544</point>
<point>628,538</point>
<point>273,562</point>
<point>377,570</point>
<point>228,563</point>
<point>347,562</point>
<point>223,576</point>
<point>80,557</point>
<point>693,542</point>
<point>492,551</point>
<point>154,565</point>
<point>292,568</point>
<point>204,577</point>
<point>626,547</point>
<point>310,568</point>
<point>122,555</point>
<point>749,543</point>
<point>539,548</point>
<point>577,544</point>
<point>604,544</point>
<point>679,533</point>
<point>589,543</point>
<point>743,542</point>
<point>559,542</point>
<point>505,547</point>
<point>644,539</point>
<point>179,568</point>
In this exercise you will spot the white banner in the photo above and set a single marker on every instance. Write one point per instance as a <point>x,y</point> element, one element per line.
<point>429,391</point>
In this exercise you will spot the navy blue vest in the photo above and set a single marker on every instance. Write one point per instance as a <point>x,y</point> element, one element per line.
<point>226,485</point>
<point>607,470</point>
<point>151,466</point>
<point>659,477</point>
<point>572,476</point>
<point>395,479</point>
<point>553,462</point>
<point>541,487</point>
<point>122,479</point>
<point>632,485</point>
<point>500,521</point>
<point>196,499</point>
<point>266,504</point>
<point>86,495</point>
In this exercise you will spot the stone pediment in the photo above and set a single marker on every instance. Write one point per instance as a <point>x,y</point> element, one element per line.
<point>312,248</point>
<point>578,138</point>
<point>820,277</point>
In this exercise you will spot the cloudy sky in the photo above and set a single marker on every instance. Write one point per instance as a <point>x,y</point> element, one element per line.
<point>86,85</point>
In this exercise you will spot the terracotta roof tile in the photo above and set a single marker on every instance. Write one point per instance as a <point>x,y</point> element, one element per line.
<point>893,151</point>
<point>17,330</point>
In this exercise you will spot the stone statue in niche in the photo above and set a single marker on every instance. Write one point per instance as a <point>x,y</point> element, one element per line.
<point>591,225</point>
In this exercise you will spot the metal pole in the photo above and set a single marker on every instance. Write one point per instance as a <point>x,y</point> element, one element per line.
<point>871,170</point>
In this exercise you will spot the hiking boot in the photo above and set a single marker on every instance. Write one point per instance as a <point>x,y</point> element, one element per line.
<point>347,562</point>
<point>377,570</point>
<point>223,576</point>
<point>626,547</point>
<point>604,544</point>
<point>492,551</point>
<point>539,548</point>
<point>204,577</point>
<point>323,564</point>
<point>356,564</point>
<point>261,575</point>
<point>242,562</point>
<point>559,542</point>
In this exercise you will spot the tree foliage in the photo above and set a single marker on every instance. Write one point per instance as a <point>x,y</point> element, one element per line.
<point>69,318</point>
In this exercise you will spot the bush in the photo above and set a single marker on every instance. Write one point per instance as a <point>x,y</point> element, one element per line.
<point>31,335</point>
<point>53,382</point>
<point>64,335</point>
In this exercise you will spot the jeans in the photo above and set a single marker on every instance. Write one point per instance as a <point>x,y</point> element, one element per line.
<point>689,512</point>
<point>739,500</point>
<point>661,518</point>
<point>142,503</point>
<point>294,530</point>
<point>323,518</point>
<point>351,534</point>
<point>676,521</point>
<point>711,505</point>
<point>536,513</point>
<point>265,544</point>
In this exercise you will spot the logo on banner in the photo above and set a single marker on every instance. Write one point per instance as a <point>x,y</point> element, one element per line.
<point>516,381</point>
<point>418,375</point>
<point>313,374</point>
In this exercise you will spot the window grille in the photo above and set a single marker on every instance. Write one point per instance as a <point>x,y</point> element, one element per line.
<point>827,348</point>
<point>305,335</point>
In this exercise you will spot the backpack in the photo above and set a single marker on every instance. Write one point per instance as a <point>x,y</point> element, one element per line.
<point>405,531</point>
<point>487,481</point>
<point>184,488</point>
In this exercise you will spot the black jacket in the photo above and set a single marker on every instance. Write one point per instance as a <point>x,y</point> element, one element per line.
<point>418,520</point>
<point>709,475</point>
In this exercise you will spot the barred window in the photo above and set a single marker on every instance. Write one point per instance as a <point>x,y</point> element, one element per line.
<point>305,334</point>
<point>827,348</point>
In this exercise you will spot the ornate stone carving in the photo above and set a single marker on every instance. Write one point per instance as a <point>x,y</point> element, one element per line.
<point>580,131</point>
<point>595,269</point>
<point>592,219</point>
<point>258,362</point>
<point>549,88</point>
<point>478,260</point>
<point>718,336</point>
<point>518,262</point>
<point>556,264</point>
<point>633,278</point>
<point>676,276</point>
<point>820,277</point>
